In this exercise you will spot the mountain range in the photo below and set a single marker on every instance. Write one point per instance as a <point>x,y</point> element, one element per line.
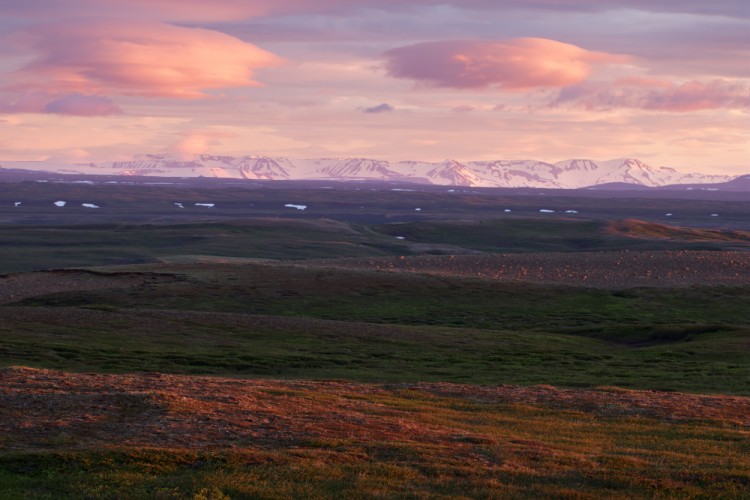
<point>568,174</point>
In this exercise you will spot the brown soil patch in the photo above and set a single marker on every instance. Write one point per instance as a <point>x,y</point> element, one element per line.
<point>40,409</point>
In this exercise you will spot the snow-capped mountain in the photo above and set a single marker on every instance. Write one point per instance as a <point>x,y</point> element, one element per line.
<point>357,168</point>
<point>568,174</point>
<point>261,168</point>
<point>520,173</point>
<point>453,173</point>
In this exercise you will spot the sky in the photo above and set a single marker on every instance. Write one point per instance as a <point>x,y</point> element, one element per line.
<point>664,81</point>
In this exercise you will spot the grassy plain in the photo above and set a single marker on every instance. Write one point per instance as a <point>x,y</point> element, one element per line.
<point>165,436</point>
<point>395,424</point>
<point>45,246</point>
<point>293,321</point>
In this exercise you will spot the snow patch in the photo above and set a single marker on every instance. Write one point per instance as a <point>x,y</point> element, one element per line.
<point>545,211</point>
<point>16,204</point>
<point>89,205</point>
<point>668,215</point>
<point>400,237</point>
<point>714,215</point>
<point>571,211</point>
<point>298,207</point>
<point>179,205</point>
<point>207,205</point>
<point>60,203</point>
<point>417,209</point>
<point>507,210</point>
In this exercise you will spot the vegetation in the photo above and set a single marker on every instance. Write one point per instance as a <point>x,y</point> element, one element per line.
<point>274,439</point>
<point>41,246</point>
<point>360,360</point>
<point>265,320</point>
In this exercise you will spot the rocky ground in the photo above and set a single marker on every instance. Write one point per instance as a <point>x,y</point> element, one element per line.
<point>18,286</point>
<point>610,270</point>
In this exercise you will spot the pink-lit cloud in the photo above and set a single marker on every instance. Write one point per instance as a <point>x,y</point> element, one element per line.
<point>59,72</point>
<point>514,64</point>
<point>69,104</point>
<point>181,10</point>
<point>198,141</point>
<point>28,102</point>
<point>217,10</point>
<point>136,58</point>
<point>172,10</point>
<point>658,95</point>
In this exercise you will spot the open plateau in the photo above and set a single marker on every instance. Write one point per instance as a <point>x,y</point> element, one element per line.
<point>233,338</point>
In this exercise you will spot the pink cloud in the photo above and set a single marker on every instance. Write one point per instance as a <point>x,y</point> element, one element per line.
<point>70,104</point>
<point>28,102</point>
<point>194,142</point>
<point>514,64</point>
<point>137,58</point>
<point>172,10</point>
<point>221,10</point>
<point>177,10</point>
<point>659,95</point>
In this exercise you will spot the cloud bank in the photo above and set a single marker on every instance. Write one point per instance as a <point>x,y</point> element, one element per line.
<point>222,10</point>
<point>70,104</point>
<point>658,95</point>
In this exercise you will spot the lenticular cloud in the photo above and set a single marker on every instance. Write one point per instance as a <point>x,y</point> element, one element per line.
<point>138,58</point>
<point>514,64</point>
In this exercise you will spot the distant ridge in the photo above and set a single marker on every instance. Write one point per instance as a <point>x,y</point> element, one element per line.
<point>568,174</point>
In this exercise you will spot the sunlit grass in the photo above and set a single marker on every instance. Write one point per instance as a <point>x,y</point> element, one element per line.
<point>491,450</point>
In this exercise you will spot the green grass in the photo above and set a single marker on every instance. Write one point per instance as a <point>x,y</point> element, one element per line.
<point>42,247</point>
<point>420,299</point>
<point>45,246</point>
<point>293,322</point>
<point>534,234</point>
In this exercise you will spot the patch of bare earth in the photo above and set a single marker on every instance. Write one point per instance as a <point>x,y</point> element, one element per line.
<point>42,409</point>
<point>610,270</point>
